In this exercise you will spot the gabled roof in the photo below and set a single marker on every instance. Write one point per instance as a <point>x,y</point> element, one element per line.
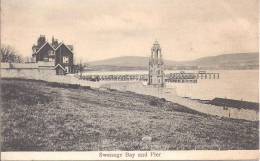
<point>42,47</point>
<point>58,65</point>
<point>65,46</point>
<point>52,47</point>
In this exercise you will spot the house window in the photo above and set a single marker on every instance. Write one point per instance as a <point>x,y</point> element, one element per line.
<point>46,59</point>
<point>51,59</point>
<point>50,53</point>
<point>65,59</point>
<point>67,69</point>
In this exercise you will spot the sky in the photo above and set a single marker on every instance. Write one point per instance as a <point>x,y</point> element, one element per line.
<point>101,29</point>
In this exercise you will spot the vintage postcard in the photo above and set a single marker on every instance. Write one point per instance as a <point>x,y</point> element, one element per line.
<point>129,80</point>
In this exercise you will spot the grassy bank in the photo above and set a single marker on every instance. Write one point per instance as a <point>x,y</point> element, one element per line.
<point>38,115</point>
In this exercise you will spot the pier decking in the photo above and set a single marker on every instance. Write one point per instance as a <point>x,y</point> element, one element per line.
<point>180,77</point>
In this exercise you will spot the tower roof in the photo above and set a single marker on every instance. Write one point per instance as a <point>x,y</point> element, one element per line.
<point>156,42</point>
<point>156,45</point>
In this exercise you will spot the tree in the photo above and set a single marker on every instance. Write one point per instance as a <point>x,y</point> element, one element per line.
<point>9,55</point>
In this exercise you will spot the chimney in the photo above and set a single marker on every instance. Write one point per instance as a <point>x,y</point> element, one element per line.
<point>41,40</point>
<point>54,42</point>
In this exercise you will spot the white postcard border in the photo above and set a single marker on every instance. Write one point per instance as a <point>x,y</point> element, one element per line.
<point>151,155</point>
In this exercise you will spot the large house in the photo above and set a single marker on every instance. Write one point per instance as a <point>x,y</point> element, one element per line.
<point>57,52</point>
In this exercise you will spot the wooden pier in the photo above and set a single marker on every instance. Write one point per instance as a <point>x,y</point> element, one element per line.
<point>123,77</point>
<point>180,77</point>
<point>205,75</point>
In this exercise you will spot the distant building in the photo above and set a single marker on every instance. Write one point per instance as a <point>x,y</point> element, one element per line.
<point>156,66</point>
<point>56,52</point>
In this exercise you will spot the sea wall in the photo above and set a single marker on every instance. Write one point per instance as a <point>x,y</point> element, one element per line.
<point>170,95</point>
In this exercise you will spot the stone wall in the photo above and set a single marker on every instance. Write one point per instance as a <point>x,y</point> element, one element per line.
<point>46,74</point>
<point>39,64</point>
<point>35,73</point>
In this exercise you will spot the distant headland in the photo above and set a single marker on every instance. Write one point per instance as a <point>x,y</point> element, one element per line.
<point>236,61</point>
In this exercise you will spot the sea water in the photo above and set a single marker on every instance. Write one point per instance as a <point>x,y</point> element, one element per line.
<point>232,84</point>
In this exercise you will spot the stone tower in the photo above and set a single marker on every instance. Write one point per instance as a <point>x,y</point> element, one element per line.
<point>156,66</point>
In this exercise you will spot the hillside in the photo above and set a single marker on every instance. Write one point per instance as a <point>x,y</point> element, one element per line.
<point>126,62</point>
<point>44,116</point>
<point>225,61</point>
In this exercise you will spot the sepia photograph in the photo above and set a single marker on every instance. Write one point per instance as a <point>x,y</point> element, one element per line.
<point>121,75</point>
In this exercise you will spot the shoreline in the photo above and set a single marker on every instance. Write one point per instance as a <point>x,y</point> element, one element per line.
<point>165,93</point>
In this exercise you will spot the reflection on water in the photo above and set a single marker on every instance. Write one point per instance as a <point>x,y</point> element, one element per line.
<point>233,84</point>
